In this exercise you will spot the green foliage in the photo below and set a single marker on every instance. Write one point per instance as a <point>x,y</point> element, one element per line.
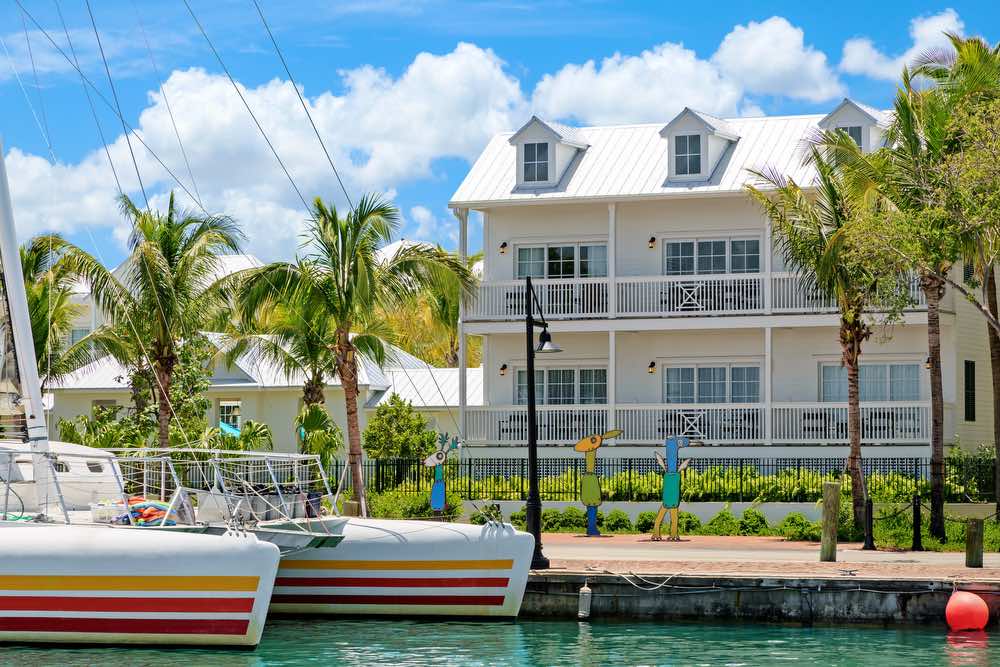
<point>753,522</point>
<point>723,523</point>
<point>796,526</point>
<point>617,521</point>
<point>518,518</point>
<point>398,505</point>
<point>573,518</point>
<point>189,385</point>
<point>318,434</point>
<point>552,520</point>
<point>687,523</point>
<point>644,521</point>
<point>253,437</point>
<point>105,430</point>
<point>396,430</point>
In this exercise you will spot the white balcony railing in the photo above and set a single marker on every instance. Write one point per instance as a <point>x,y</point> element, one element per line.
<point>728,423</point>
<point>673,296</point>
<point>827,423</point>
<point>791,294</point>
<point>559,299</point>
<point>557,424</point>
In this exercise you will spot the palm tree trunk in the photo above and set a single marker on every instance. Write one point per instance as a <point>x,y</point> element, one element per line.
<point>852,333</point>
<point>164,370</point>
<point>312,391</point>
<point>933,288</point>
<point>347,368</point>
<point>990,286</point>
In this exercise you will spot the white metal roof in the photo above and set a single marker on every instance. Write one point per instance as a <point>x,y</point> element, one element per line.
<point>631,161</point>
<point>430,387</point>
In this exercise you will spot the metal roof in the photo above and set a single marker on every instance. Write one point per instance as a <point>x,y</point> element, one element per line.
<point>430,387</point>
<point>631,161</point>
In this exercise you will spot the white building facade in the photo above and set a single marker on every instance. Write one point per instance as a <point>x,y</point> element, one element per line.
<point>676,314</point>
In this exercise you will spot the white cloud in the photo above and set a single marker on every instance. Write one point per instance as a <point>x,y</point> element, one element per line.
<point>861,56</point>
<point>772,58</point>
<point>381,132</point>
<point>428,227</point>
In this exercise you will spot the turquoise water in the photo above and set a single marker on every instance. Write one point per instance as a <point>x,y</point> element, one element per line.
<point>302,641</point>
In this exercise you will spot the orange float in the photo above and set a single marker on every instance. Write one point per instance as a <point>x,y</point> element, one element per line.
<point>966,611</point>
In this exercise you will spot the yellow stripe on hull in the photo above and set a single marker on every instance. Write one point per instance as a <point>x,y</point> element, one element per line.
<point>500,564</point>
<point>30,582</point>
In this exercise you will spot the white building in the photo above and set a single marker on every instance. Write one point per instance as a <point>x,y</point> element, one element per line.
<point>675,315</point>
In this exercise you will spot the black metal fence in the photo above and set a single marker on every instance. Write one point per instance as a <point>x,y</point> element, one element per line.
<point>705,479</point>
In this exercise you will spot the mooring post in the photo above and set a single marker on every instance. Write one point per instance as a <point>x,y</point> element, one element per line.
<point>918,544</point>
<point>869,526</point>
<point>831,514</point>
<point>974,543</point>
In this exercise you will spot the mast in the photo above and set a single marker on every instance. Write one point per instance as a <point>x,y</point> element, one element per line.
<point>18,368</point>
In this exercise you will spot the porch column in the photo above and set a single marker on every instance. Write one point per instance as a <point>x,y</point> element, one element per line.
<point>768,251</point>
<point>612,363</point>
<point>463,250</point>
<point>768,425</point>
<point>612,271</point>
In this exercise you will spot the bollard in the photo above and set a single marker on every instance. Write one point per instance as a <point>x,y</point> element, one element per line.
<point>352,508</point>
<point>869,526</point>
<point>831,513</point>
<point>918,543</point>
<point>974,543</point>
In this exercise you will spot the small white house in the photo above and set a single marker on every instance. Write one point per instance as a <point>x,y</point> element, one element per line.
<point>674,309</point>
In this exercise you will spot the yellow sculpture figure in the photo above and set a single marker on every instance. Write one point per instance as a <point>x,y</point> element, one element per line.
<point>590,483</point>
<point>672,469</point>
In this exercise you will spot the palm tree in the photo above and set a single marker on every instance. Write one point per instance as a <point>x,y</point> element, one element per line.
<point>814,235</point>
<point>318,434</point>
<point>346,286</point>
<point>168,291</point>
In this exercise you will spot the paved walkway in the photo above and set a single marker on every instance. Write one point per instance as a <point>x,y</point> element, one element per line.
<point>703,554</point>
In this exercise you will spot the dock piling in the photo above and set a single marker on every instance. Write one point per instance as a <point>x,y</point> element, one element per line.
<point>974,543</point>
<point>831,513</point>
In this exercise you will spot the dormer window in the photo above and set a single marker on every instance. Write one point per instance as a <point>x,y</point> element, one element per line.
<point>536,162</point>
<point>687,154</point>
<point>853,131</point>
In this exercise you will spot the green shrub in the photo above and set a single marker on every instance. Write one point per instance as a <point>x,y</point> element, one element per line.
<point>401,505</point>
<point>723,523</point>
<point>617,521</point>
<point>796,526</point>
<point>552,520</point>
<point>573,518</point>
<point>644,521</point>
<point>477,519</point>
<point>519,518</point>
<point>688,524</point>
<point>753,522</point>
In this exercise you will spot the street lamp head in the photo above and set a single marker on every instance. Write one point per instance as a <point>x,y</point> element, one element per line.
<point>545,344</point>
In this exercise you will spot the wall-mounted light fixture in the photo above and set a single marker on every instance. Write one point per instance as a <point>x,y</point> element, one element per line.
<point>927,363</point>
<point>652,242</point>
<point>651,368</point>
<point>503,370</point>
<point>503,248</point>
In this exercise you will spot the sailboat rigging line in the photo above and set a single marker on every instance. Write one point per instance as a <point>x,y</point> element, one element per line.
<point>90,101</point>
<point>305,107</point>
<point>27,97</point>
<point>247,105</point>
<point>38,88</point>
<point>114,94</point>
<point>166,100</point>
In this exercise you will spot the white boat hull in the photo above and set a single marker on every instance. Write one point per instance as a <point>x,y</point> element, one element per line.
<point>103,585</point>
<point>407,568</point>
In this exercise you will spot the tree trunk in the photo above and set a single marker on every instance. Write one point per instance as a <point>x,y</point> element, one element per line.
<point>853,332</point>
<point>347,368</point>
<point>312,391</point>
<point>933,288</point>
<point>164,370</point>
<point>990,287</point>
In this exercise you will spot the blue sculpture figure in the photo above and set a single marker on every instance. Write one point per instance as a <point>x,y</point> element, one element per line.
<point>437,460</point>
<point>672,469</point>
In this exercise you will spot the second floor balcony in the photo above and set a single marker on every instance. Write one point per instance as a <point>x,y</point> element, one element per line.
<point>712,295</point>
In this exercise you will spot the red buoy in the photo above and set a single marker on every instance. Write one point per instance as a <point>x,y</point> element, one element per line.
<point>966,611</point>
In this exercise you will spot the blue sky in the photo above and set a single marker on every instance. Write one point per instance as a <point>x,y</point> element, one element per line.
<point>405,93</point>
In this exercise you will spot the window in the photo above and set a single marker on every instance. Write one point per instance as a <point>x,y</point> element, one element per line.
<point>711,384</point>
<point>970,391</point>
<point>95,466</point>
<point>536,162</point>
<point>968,273</point>
<point>687,155</point>
<point>711,256</point>
<point>877,382</point>
<point>564,386</point>
<point>60,466</point>
<point>563,260</point>
<point>101,405</point>
<point>229,413</point>
<point>854,132</point>
<point>76,335</point>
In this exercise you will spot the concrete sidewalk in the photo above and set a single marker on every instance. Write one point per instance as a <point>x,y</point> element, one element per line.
<point>703,554</point>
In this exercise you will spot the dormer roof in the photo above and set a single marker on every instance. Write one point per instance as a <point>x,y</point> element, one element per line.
<point>714,125</point>
<point>878,117</point>
<point>571,136</point>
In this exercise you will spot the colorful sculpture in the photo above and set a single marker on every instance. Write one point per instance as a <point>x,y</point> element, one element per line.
<point>590,483</point>
<point>672,468</point>
<point>436,460</point>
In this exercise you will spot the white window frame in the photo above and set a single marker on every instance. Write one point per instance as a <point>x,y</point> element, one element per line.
<point>525,162</point>
<point>888,380</point>
<point>229,403</point>
<point>72,334</point>
<point>860,141</point>
<point>542,398</point>
<point>695,240</point>
<point>676,154</point>
<point>577,245</point>
<point>728,365</point>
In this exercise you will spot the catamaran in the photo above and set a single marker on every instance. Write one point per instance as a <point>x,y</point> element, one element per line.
<point>96,583</point>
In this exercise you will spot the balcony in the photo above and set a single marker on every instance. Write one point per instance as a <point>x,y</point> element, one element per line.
<point>715,424</point>
<point>733,294</point>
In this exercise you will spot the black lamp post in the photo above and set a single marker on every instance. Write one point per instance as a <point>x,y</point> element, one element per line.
<point>533,506</point>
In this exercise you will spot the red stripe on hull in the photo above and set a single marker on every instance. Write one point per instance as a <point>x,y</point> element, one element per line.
<point>391,600</point>
<point>138,626</point>
<point>396,582</point>
<point>63,603</point>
